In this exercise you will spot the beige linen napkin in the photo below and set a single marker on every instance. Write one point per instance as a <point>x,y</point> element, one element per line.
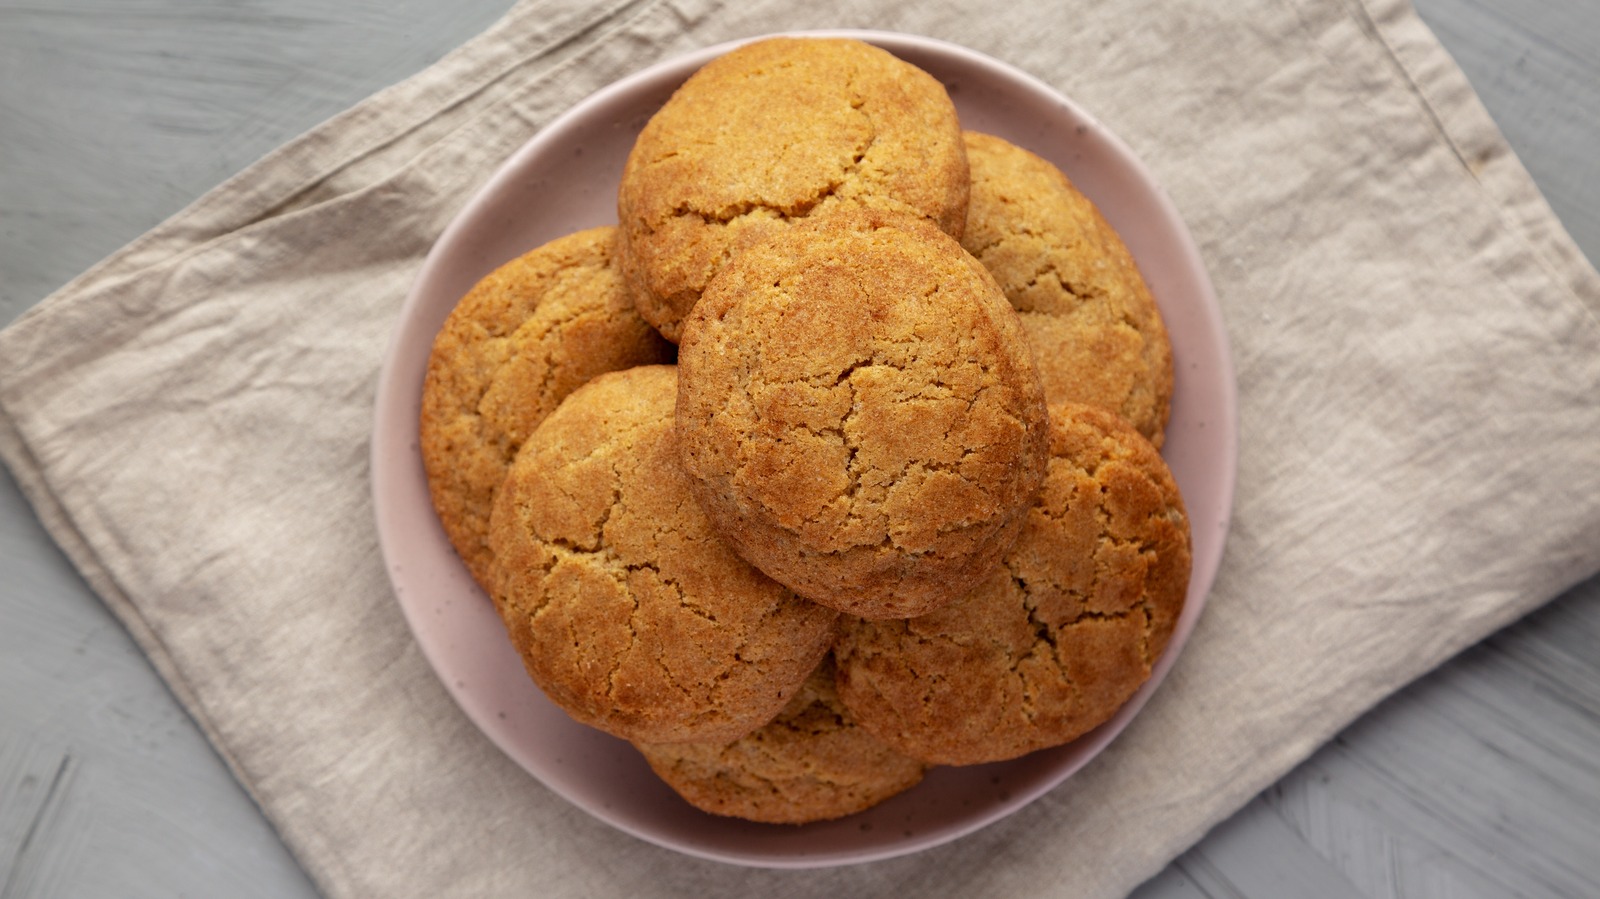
<point>1418,358</point>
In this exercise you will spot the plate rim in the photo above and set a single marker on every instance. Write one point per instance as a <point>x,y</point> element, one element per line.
<point>384,465</point>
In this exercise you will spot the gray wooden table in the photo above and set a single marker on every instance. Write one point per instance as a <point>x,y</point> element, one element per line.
<point>1483,779</point>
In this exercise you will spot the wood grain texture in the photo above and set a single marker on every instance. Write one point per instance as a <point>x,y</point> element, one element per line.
<point>113,116</point>
<point>1479,780</point>
<point>1482,779</point>
<point>1534,64</point>
<point>133,108</point>
<point>38,837</point>
<point>106,786</point>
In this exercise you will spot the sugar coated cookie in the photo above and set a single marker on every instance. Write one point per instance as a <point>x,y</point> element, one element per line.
<point>1057,638</point>
<point>859,413</point>
<point>628,611</point>
<point>771,133</point>
<point>810,764</point>
<point>1093,325</point>
<point>520,341</point>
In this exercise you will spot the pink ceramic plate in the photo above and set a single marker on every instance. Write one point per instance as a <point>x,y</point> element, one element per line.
<point>564,180</point>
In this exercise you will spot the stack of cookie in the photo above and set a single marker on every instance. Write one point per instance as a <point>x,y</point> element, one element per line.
<point>894,499</point>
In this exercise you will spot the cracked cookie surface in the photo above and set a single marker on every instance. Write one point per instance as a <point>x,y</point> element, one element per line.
<point>811,763</point>
<point>859,413</point>
<point>769,134</point>
<point>1095,330</point>
<point>523,338</point>
<point>1060,635</point>
<point>628,611</point>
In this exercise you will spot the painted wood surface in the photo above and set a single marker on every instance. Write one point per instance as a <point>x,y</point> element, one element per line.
<point>1481,780</point>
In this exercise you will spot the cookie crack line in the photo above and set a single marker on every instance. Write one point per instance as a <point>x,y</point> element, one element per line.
<point>621,657</point>
<point>683,597</point>
<point>738,652</point>
<point>1047,635</point>
<point>798,209</point>
<point>601,550</point>
<point>735,211</point>
<point>1144,633</point>
<point>557,333</point>
<point>931,682</point>
<point>1067,287</point>
<point>619,432</point>
<point>532,331</point>
<point>852,489</point>
<point>611,508</point>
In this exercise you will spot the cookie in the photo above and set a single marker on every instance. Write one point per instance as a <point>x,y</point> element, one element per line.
<point>1095,330</point>
<point>1057,638</point>
<point>812,763</point>
<point>627,610</point>
<point>520,341</point>
<point>771,133</point>
<point>859,413</point>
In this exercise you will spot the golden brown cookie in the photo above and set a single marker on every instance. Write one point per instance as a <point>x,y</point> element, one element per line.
<point>1057,638</point>
<point>628,611</point>
<point>1093,325</point>
<point>520,341</point>
<point>771,133</point>
<point>812,763</point>
<point>859,413</point>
